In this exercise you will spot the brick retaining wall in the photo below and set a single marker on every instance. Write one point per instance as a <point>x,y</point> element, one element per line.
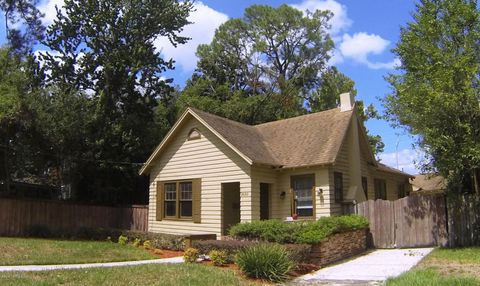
<point>339,246</point>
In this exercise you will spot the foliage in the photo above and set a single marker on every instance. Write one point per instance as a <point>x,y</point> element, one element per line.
<point>191,255</point>
<point>147,244</point>
<point>137,242</point>
<point>265,261</point>
<point>435,94</point>
<point>104,51</point>
<point>267,230</point>
<point>297,252</point>
<point>122,240</point>
<point>306,232</point>
<point>23,25</point>
<point>267,58</point>
<point>317,231</point>
<point>218,257</point>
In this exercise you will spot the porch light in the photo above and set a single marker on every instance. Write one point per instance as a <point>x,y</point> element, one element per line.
<point>282,195</point>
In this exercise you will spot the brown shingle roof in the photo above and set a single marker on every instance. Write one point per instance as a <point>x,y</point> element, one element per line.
<point>385,168</point>
<point>245,138</point>
<point>428,182</point>
<point>307,140</point>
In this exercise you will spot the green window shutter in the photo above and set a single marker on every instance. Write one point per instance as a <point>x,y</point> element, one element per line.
<point>160,202</point>
<point>196,205</point>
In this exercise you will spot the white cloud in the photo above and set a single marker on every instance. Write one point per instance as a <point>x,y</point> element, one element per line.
<point>408,160</point>
<point>360,46</point>
<point>339,21</point>
<point>48,8</point>
<point>357,47</point>
<point>205,21</point>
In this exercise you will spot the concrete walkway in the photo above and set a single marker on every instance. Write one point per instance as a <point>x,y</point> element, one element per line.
<point>89,265</point>
<point>369,269</point>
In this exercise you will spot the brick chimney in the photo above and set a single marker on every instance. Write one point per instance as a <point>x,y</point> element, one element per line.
<point>346,101</point>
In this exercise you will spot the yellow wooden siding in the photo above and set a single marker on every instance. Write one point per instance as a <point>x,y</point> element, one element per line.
<point>264,174</point>
<point>341,165</point>
<point>392,181</point>
<point>207,158</point>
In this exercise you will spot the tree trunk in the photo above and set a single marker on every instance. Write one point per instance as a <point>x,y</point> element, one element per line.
<point>476,181</point>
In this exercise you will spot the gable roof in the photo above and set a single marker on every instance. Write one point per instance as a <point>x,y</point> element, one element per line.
<point>307,140</point>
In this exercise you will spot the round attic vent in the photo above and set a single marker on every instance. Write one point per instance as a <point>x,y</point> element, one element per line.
<point>194,134</point>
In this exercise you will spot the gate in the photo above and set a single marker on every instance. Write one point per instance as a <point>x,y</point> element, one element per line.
<point>413,221</point>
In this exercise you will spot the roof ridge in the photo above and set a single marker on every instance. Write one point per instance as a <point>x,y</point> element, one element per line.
<point>298,117</point>
<point>196,110</point>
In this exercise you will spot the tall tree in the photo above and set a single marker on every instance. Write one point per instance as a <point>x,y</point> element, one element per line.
<point>105,49</point>
<point>269,59</point>
<point>23,25</point>
<point>436,93</point>
<point>13,91</point>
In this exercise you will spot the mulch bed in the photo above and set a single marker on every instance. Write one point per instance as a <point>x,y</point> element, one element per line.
<point>163,253</point>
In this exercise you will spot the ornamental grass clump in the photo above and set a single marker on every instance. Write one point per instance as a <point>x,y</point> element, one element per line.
<point>265,261</point>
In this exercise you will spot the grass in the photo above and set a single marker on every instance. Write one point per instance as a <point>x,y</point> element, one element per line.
<point>456,266</point>
<point>159,274</point>
<point>29,251</point>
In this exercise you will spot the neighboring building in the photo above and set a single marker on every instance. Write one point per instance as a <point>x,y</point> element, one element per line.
<point>428,184</point>
<point>209,172</point>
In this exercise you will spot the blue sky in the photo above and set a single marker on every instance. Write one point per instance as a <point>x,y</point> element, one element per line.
<point>364,32</point>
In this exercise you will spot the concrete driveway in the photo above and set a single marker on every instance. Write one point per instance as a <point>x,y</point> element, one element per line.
<point>370,269</point>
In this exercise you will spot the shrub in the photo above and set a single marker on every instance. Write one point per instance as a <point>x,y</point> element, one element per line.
<point>265,261</point>
<point>147,244</point>
<point>122,240</point>
<point>266,230</point>
<point>230,247</point>
<point>317,231</point>
<point>218,257</point>
<point>191,255</point>
<point>136,242</point>
<point>301,232</point>
<point>298,252</point>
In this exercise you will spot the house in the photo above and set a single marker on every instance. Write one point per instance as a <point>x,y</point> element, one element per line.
<point>209,172</point>
<point>428,184</point>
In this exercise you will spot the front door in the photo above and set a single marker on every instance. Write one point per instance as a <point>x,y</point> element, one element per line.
<point>230,205</point>
<point>264,201</point>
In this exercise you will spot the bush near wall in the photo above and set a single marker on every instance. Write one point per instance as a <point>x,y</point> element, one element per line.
<point>300,232</point>
<point>297,252</point>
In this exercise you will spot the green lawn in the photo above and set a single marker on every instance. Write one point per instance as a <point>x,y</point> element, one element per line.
<point>159,274</point>
<point>26,251</point>
<point>457,266</point>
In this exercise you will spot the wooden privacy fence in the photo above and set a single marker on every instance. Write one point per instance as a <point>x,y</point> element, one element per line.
<point>413,221</point>
<point>463,220</point>
<point>17,217</point>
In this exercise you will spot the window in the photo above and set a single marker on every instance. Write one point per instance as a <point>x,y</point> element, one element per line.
<point>179,200</point>
<point>365,186</point>
<point>170,200</point>
<point>380,189</point>
<point>186,199</point>
<point>303,195</point>
<point>338,186</point>
<point>401,191</point>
